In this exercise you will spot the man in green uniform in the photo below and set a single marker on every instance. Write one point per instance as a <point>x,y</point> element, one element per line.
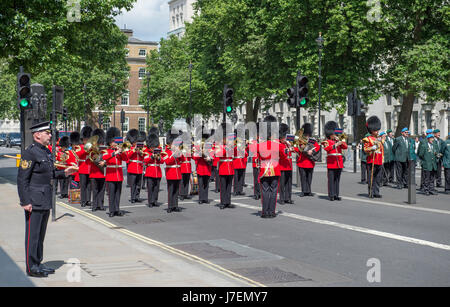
<point>439,144</point>
<point>400,150</point>
<point>390,166</point>
<point>445,150</point>
<point>428,152</point>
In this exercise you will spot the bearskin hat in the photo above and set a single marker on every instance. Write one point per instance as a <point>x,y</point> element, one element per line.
<point>153,130</point>
<point>373,124</point>
<point>284,129</point>
<point>329,127</point>
<point>101,136</point>
<point>152,140</point>
<point>224,128</point>
<point>266,130</point>
<point>86,132</point>
<point>142,136</point>
<point>132,135</point>
<point>64,141</point>
<point>75,138</point>
<point>307,129</point>
<point>170,137</point>
<point>112,133</point>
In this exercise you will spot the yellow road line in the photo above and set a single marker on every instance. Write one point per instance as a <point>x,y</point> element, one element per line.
<point>168,248</point>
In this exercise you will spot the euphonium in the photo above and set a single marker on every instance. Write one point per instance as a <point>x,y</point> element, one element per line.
<point>91,144</point>
<point>300,139</point>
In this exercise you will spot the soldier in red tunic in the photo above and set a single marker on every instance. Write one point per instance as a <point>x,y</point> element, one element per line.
<point>114,157</point>
<point>239,165</point>
<point>74,142</point>
<point>285,167</point>
<point>335,163</point>
<point>62,155</point>
<point>203,161</point>
<point>253,150</point>
<point>186,170</point>
<point>374,149</point>
<point>84,167</point>
<point>224,152</point>
<point>173,171</point>
<point>97,174</point>
<point>135,167</point>
<point>153,173</point>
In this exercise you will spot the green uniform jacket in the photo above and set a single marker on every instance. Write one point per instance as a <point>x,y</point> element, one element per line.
<point>388,156</point>
<point>412,150</point>
<point>445,150</point>
<point>400,149</point>
<point>428,156</point>
<point>362,155</point>
<point>440,145</point>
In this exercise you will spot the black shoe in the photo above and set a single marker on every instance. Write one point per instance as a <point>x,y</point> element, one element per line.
<point>331,198</point>
<point>133,201</point>
<point>439,186</point>
<point>337,198</point>
<point>83,205</point>
<point>138,200</point>
<point>264,216</point>
<point>119,213</point>
<point>363,182</point>
<point>302,194</point>
<point>37,273</point>
<point>206,201</point>
<point>46,269</point>
<point>289,201</point>
<point>241,193</point>
<point>101,209</point>
<point>94,209</point>
<point>310,194</point>
<point>169,210</point>
<point>176,209</point>
<point>231,206</point>
<point>188,197</point>
<point>405,186</point>
<point>433,193</point>
<point>377,196</point>
<point>111,214</point>
<point>222,207</point>
<point>181,198</point>
<point>200,202</point>
<point>88,204</point>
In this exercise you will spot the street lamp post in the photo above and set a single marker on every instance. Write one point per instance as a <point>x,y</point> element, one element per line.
<point>147,74</point>
<point>190,93</point>
<point>319,42</point>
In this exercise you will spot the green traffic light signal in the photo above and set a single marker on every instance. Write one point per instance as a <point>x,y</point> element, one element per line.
<point>303,102</point>
<point>229,109</point>
<point>24,103</point>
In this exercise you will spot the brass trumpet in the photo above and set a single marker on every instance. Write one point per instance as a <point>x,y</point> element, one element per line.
<point>91,144</point>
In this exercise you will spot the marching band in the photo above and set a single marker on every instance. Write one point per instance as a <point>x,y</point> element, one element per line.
<point>222,157</point>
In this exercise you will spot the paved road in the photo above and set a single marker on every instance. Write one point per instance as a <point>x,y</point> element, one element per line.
<point>312,242</point>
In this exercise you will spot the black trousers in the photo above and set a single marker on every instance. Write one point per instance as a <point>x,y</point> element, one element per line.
<point>226,183</point>
<point>334,178</point>
<point>428,181</point>
<point>363,171</point>
<point>173,187</point>
<point>385,172</point>
<point>35,229</point>
<point>213,173</point>
<point>135,185</point>
<point>401,170</point>
<point>217,179</point>
<point>152,189</point>
<point>438,176</point>
<point>203,186</point>
<point>85,187</point>
<point>285,185</point>
<point>269,189</point>
<point>98,192</point>
<point>306,175</point>
<point>239,176</point>
<point>184,184</point>
<point>114,192</point>
<point>377,178</point>
<point>447,179</point>
<point>64,186</point>
<point>390,167</point>
<point>256,185</point>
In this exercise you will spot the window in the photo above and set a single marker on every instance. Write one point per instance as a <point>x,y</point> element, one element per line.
<point>388,100</point>
<point>416,122</point>
<point>141,73</point>
<point>106,123</point>
<point>428,119</point>
<point>125,99</point>
<point>126,124</point>
<point>141,124</point>
<point>142,52</point>
<point>388,120</point>
<point>181,17</point>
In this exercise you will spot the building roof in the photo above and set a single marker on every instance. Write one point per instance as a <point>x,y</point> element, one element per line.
<point>134,40</point>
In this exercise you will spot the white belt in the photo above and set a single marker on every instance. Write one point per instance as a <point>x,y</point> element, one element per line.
<point>136,161</point>
<point>172,166</point>
<point>226,160</point>
<point>114,166</point>
<point>152,164</point>
<point>335,154</point>
<point>81,160</point>
<point>186,162</point>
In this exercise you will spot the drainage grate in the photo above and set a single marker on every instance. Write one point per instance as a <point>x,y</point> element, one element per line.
<point>101,269</point>
<point>270,275</point>
<point>207,251</point>
<point>140,220</point>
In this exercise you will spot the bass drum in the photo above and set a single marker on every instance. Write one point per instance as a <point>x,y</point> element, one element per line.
<point>194,184</point>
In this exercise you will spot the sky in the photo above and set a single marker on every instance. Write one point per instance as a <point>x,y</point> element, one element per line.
<point>149,19</point>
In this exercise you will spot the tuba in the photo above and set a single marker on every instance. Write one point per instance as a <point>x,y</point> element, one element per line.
<point>300,140</point>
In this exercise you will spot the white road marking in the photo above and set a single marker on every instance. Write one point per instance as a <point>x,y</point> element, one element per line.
<point>356,228</point>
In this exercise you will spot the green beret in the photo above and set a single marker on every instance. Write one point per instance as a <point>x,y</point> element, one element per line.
<point>436,130</point>
<point>389,131</point>
<point>367,134</point>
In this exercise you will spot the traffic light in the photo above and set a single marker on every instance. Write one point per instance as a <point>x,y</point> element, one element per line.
<point>122,116</point>
<point>65,114</point>
<point>291,100</point>
<point>228,99</point>
<point>24,91</point>
<point>302,90</point>
<point>354,104</point>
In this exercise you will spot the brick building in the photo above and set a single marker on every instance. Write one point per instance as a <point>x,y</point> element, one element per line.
<point>135,115</point>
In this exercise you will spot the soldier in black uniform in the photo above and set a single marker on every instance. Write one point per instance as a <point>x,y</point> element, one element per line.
<point>35,192</point>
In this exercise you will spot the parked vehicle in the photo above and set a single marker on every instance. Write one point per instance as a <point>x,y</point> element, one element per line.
<point>13,139</point>
<point>2,139</point>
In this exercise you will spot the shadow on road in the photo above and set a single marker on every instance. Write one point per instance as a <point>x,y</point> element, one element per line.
<point>10,274</point>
